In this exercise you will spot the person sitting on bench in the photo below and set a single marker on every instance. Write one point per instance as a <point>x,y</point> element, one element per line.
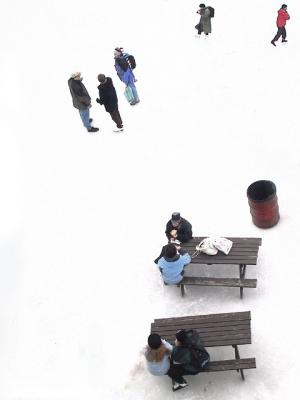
<point>172,264</point>
<point>189,352</point>
<point>157,354</point>
<point>178,228</point>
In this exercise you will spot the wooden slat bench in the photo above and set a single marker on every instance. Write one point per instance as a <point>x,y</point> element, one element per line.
<point>227,329</point>
<point>244,252</point>
<point>225,282</point>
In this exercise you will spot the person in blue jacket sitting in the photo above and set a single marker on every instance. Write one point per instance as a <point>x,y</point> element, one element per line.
<point>172,263</point>
<point>125,73</point>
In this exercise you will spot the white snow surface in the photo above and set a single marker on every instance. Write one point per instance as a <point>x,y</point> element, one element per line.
<point>83,216</point>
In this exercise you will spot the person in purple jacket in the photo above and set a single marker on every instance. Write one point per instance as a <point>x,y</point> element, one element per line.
<point>125,73</point>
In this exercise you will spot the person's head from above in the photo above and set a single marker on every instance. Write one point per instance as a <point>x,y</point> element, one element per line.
<point>175,219</point>
<point>101,78</point>
<point>154,341</point>
<point>180,337</point>
<point>284,6</point>
<point>118,52</point>
<point>76,76</point>
<point>156,350</point>
<point>170,250</point>
<point>202,5</point>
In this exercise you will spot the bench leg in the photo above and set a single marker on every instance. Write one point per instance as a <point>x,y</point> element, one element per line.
<point>182,290</point>
<point>237,357</point>
<point>242,276</point>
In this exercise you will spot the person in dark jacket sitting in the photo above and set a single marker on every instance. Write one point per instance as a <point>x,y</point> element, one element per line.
<point>108,98</point>
<point>179,228</point>
<point>189,352</point>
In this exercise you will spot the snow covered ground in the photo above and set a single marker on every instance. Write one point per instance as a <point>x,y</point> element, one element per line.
<point>83,216</point>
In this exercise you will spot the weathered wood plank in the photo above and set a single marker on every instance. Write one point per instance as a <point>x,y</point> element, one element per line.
<point>236,316</point>
<point>227,365</point>
<point>226,282</point>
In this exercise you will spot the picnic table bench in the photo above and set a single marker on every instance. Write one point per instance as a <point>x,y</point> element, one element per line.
<point>244,252</point>
<point>215,330</point>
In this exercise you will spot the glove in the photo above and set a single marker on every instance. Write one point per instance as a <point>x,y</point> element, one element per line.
<point>98,101</point>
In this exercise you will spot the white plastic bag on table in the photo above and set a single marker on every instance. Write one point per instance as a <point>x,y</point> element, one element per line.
<point>222,244</point>
<point>206,246</point>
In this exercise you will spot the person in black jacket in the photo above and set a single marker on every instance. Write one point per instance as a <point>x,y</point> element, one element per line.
<point>179,228</point>
<point>81,100</point>
<point>189,353</point>
<point>108,97</point>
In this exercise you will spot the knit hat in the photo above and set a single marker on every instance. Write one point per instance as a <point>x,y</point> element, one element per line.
<point>154,341</point>
<point>101,78</point>
<point>118,51</point>
<point>181,336</point>
<point>75,74</point>
<point>170,250</point>
<point>176,216</point>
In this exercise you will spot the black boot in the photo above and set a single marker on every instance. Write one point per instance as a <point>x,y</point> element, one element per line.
<point>273,43</point>
<point>92,129</point>
<point>284,41</point>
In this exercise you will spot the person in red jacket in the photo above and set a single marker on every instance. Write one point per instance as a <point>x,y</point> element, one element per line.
<point>283,16</point>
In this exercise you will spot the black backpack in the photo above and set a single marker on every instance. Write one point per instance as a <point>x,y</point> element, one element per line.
<point>131,61</point>
<point>212,12</point>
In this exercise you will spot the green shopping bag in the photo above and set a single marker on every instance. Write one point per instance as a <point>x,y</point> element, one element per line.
<point>128,94</point>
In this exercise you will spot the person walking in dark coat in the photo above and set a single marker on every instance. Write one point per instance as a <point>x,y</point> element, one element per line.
<point>283,16</point>
<point>205,20</point>
<point>179,228</point>
<point>81,100</point>
<point>108,98</point>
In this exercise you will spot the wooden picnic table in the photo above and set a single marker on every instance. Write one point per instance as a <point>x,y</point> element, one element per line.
<point>215,330</point>
<point>244,252</point>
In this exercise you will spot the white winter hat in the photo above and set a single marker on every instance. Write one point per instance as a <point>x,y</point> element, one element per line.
<point>75,74</point>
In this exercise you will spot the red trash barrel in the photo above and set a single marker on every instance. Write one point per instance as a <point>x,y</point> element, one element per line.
<point>263,204</point>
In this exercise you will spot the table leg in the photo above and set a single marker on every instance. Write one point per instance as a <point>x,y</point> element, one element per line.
<point>237,357</point>
<point>242,268</point>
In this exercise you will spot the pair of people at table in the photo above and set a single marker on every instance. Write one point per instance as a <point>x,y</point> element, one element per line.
<point>173,258</point>
<point>187,357</point>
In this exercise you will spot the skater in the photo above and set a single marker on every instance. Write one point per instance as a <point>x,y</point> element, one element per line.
<point>205,19</point>
<point>157,354</point>
<point>283,16</point>
<point>179,228</point>
<point>189,352</point>
<point>108,97</point>
<point>81,100</point>
<point>172,263</point>
<point>124,67</point>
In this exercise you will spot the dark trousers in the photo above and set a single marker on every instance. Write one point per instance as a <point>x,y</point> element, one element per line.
<point>281,32</point>
<point>177,371</point>
<point>116,117</point>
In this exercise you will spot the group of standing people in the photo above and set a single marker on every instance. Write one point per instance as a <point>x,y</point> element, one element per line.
<point>124,64</point>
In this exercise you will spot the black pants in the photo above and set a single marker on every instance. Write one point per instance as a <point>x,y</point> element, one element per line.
<point>177,371</point>
<point>116,117</point>
<point>281,32</point>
